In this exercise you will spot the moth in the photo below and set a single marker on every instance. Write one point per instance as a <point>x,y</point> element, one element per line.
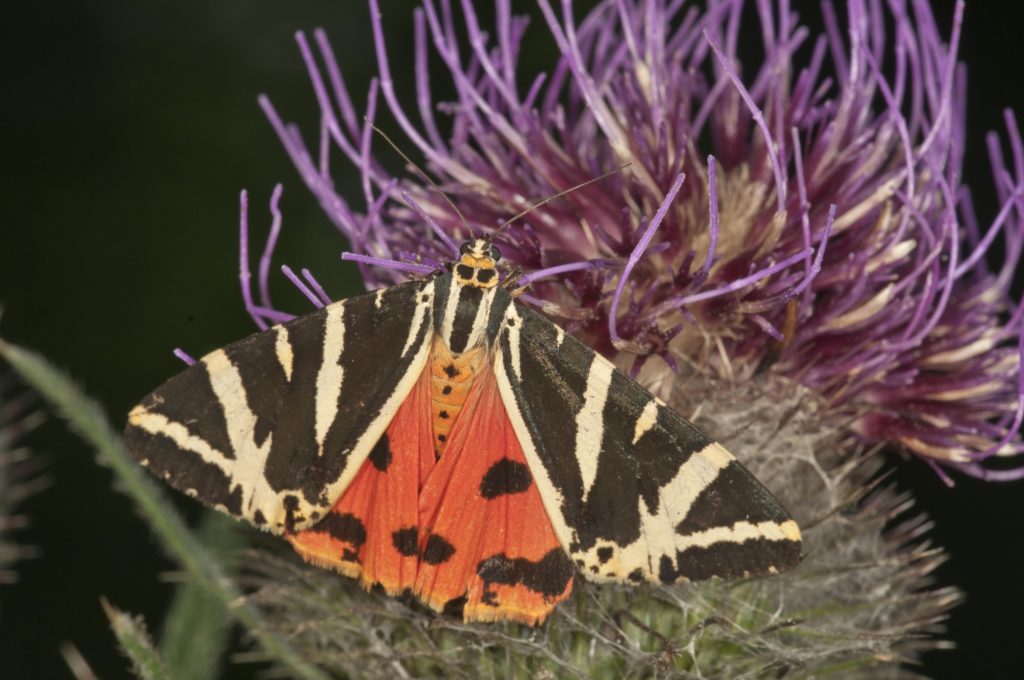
<point>438,438</point>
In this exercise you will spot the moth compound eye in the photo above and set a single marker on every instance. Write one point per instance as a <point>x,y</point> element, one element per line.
<point>465,248</point>
<point>495,253</point>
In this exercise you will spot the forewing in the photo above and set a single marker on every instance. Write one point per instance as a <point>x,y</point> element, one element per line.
<point>634,491</point>
<point>272,428</point>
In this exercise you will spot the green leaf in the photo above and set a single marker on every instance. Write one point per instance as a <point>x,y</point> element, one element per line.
<point>87,418</point>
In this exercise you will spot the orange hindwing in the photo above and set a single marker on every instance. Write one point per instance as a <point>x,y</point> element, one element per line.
<point>487,543</point>
<point>466,534</point>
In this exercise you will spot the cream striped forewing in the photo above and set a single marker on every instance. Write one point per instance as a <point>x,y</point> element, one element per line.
<point>272,428</point>
<point>633,490</point>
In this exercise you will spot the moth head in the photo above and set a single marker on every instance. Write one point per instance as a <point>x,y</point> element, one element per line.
<point>477,265</point>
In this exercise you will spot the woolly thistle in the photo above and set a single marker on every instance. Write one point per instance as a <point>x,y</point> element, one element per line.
<point>790,258</point>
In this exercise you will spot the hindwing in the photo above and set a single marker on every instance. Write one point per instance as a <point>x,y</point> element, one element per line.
<point>633,490</point>
<point>273,428</point>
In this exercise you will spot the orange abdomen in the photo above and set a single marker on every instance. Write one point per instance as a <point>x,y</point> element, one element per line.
<point>450,380</point>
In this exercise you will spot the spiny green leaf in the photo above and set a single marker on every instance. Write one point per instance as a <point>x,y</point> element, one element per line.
<point>136,644</point>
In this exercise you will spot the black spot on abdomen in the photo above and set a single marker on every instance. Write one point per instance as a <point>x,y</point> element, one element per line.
<point>505,477</point>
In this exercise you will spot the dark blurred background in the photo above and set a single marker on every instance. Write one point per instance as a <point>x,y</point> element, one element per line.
<point>128,130</point>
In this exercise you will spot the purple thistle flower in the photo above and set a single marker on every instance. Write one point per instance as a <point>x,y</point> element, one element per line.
<point>789,256</point>
<point>804,212</point>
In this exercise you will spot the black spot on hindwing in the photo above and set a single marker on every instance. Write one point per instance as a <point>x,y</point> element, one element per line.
<point>505,477</point>
<point>406,541</point>
<point>380,455</point>
<point>548,576</point>
<point>437,550</point>
<point>344,527</point>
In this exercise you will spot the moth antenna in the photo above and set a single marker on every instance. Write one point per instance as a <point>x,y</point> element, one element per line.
<point>421,174</point>
<point>505,224</point>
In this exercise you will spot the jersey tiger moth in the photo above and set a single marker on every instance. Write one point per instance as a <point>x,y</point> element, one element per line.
<point>438,438</point>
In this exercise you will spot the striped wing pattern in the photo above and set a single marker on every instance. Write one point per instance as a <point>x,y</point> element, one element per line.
<point>633,490</point>
<point>272,428</point>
